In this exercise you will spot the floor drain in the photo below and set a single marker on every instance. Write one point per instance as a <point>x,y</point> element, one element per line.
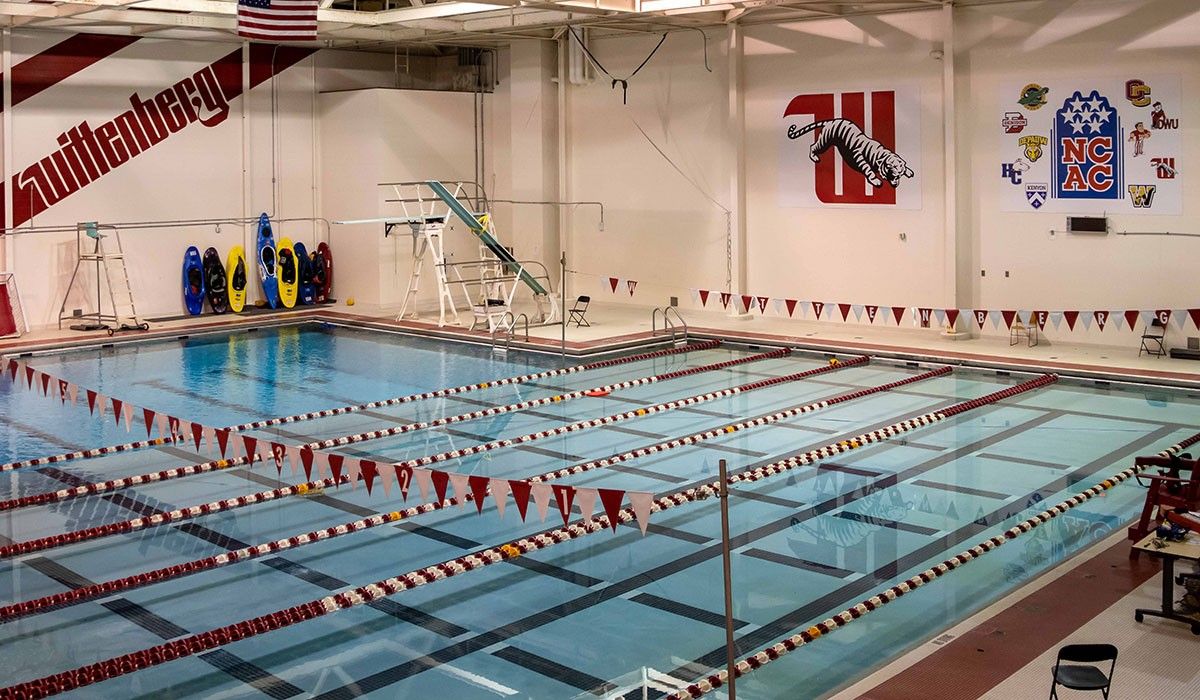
<point>943,639</point>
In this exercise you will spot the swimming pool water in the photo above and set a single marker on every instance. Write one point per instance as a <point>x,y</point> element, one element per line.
<point>580,618</point>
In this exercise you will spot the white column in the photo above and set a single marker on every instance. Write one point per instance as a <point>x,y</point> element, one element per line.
<point>534,156</point>
<point>737,182</point>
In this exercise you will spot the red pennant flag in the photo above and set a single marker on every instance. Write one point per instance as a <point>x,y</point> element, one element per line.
<point>116,404</point>
<point>611,499</point>
<point>197,433</point>
<point>952,317</point>
<point>612,283</point>
<point>91,396</point>
<point>762,304</point>
<point>818,307</point>
<point>871,311</point>
<point>336,462</point>
<point>306,456</point>
<point>250,445</point>
<point>791,306</point>
<point>45,384</point>
<point>223,440</point>
<point>12,370</point>
<point>1008,316</point>
<point>704,297</point>
<point>1101,318</point>
<point>1071,317</point>
<point>479,490</point>
<point>746,302</point>
<point>924,315</point>
<point>1131,317</point>
<point>1163,315</point>
<point>404,477</point>
<point>845,309</point>
<point>564,497</point>
<point>278,452</point>
<point>62,391</point>
<point>630,284</point>
<point>173,427</point>
<point>520,491</point>
<point>367,469</point>
<point>29,376</point>
<point>725,297</point>
<point>148,415</point>
<point>1040,317</point>
<point>1194,313</point>
<point>981,317</point>
<point>440,481</point>
<point>898,313</point>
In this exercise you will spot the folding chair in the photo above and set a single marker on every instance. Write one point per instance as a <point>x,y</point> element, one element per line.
<point>1084,677</point>
<point>1153,338</point>
<point>578,310</point>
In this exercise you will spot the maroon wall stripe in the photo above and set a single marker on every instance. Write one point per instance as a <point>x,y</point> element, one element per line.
<point>267,60</point>
<point>61,61</point>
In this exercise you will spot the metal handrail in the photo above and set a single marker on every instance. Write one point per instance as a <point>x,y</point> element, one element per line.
<point>508,325</point>
<point>669,326</point>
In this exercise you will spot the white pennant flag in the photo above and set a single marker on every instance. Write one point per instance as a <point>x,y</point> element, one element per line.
<point>499,489</point>
<point>940,315</point>
<point>459,483</point>
<point>72,391</point>
<point>541,494</point>
<point>858,310</point>
<point>160,422</point>
<point>996,317</point>
<point>1147,316</point>
<point>293,455</point>
<point>210,438</point>
<point>1180,317</point>
<point>1056,318</point>
<point>101,400</point>
<point>640,502</point>
<point>1086,317</point>
<point>127,412</point>
<point>695,295</point>
<point>424,481</point>
<point>353,470</point>
<point>320,461</point>
<point>387,474</point>
<point>586,500</point>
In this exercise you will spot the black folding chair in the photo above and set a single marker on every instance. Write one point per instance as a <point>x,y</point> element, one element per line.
<point>1077,677</point>
<point>1153,338</point>
<point>578,310</point>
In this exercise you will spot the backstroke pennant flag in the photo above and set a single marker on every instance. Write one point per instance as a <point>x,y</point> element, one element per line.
<point>277,20</point>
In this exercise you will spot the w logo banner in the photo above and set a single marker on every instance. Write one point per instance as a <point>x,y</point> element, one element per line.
<point>851,149</point>
<point>1142,196</point>
<point>1087,149</point>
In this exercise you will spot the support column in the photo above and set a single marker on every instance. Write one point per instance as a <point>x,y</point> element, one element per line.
<point>534,150</point>
<point>736,215</point>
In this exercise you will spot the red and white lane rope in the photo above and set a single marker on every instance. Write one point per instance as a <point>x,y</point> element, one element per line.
<point>204,641</point>
<point>255,425</point>
<point>125,482</point>
<point>78,595</point>
<point>845,617</point>
<point>174,516</point>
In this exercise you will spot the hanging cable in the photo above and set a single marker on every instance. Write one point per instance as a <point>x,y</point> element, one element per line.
<point>624,82</point>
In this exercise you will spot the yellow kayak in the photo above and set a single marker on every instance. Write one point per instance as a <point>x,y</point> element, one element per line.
<point>289,273</point>
<point>235,268</point>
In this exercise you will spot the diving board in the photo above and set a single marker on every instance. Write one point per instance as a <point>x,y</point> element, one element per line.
<point>480,230</point>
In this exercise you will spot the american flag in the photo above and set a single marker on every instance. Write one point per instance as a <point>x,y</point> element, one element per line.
<point>277,20</point>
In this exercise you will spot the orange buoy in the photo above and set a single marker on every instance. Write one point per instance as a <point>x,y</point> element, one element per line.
<point>597,392</point>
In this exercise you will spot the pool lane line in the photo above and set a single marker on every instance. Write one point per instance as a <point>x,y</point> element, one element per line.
<point>761,658</point>
<point>221,636</point>
<point>219,464</point>
<point>127,526</point>
<point>254,425</point>
<point>246,553</point>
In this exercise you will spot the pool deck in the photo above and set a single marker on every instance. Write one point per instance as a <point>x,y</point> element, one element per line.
<point>1005,650</point>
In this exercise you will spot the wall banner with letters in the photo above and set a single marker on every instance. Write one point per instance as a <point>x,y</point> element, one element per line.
<point>855,148</point>
<point>1091,146</point>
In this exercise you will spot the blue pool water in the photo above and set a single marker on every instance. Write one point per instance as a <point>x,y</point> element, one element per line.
<point>578,619</point>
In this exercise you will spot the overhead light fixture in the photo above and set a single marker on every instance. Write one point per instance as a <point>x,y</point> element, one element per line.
<point>723,7</point>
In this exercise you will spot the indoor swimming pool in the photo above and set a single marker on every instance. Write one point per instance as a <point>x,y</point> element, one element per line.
<point>590,617</point>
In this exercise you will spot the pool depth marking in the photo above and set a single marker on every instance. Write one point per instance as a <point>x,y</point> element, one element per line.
<point>195,644</point>
<point>254,425</point>
<point>761,658</point>
<point>127,526</point>
<point>218,464</point>
<point>81,594</point>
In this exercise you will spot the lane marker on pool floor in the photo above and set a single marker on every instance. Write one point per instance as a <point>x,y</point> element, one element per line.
<point>204,641</point>
<point>217,464</point>
<point>126,526</point>
<point>147,578</point>
<point>343,410</point>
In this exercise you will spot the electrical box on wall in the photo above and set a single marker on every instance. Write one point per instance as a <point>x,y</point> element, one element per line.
<point>1087,224</point>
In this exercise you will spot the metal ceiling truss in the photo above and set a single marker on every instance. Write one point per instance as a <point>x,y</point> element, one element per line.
<point>373,24</point>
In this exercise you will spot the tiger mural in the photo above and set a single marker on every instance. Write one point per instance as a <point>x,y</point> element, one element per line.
<point>866,155</point>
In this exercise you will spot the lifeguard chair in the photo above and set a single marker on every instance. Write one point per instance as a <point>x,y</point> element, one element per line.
<point>1177,485</point>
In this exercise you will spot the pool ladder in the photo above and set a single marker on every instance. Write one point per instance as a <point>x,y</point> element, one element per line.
<point>507,327</point>
<point>669,326</point>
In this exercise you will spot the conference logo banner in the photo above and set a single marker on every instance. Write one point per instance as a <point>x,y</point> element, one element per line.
<point>856,148</point>
<point>1091,145</point>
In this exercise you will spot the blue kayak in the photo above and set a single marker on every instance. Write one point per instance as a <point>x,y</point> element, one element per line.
<point>193,281</point>
<point>267,269</point>
<point>308,290</point>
